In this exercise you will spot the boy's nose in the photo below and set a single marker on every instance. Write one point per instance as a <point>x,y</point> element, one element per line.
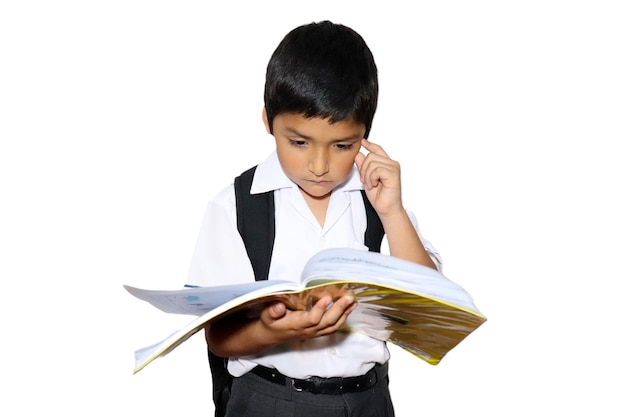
<point>318,164</point>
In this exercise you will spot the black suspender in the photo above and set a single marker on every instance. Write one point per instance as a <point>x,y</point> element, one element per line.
<point>255,222</point>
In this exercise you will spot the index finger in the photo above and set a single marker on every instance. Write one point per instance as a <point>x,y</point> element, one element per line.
<point>373,148</point>
<point>336,310</point>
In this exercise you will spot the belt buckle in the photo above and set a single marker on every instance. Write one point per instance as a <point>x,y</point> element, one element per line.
<point>314,385</point>
<point>296,386</point>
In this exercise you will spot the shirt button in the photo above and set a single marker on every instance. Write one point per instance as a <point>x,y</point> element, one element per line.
<point>333,351</point>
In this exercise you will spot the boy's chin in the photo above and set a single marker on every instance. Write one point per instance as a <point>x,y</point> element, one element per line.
<point>316,193</point>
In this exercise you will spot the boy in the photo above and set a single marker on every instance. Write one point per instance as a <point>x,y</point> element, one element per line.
<point>320,97</point>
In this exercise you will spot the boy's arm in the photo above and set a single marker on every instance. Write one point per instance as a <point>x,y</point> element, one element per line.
<point>241,336</point>
<point>380,176</point>
<point>404,241</point>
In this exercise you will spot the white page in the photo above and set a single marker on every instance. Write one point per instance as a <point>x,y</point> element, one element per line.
<point>373,267</point>
<point>198,301</point>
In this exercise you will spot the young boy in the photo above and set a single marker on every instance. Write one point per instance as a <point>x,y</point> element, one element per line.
<point>320,97</point>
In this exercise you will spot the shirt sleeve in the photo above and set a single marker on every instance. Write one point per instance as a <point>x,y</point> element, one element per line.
<point>219,257</point>
<point>430,249</point>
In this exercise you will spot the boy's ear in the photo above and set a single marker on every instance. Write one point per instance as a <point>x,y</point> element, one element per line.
<point>266,122</point>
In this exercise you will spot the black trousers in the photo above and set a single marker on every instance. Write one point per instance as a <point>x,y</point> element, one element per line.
<point>253,396</point>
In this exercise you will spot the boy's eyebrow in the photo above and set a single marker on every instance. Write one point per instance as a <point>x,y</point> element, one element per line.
<point>293,131</point>
<point>355,137</point>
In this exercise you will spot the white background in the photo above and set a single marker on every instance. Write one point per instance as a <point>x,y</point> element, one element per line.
<point>120,119</point>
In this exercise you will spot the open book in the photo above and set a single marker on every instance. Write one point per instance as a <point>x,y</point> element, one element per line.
<point>410,305</point>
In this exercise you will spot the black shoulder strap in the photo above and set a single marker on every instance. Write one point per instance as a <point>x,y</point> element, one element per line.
<point>256,224</point>
<point>374,232</point>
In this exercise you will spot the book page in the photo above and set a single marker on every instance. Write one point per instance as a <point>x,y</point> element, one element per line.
<point>351,265</point>
<point>200,300</point>
<point>424,326</point>
<point>174,301</point>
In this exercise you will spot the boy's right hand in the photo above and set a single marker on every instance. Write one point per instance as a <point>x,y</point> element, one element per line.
<point>325,317</point>
<point>237,335</point>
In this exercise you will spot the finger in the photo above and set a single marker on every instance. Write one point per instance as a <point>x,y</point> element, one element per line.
<point>360,165</point>
<point>370,166</point>
<point>316,312</point>
<point>337,312</point>
<point>335,318</point>
<point>358,160</point>
<point>276,310</point>
<point>370,172</point>
<point>373,148</point>
<point>365,164</point>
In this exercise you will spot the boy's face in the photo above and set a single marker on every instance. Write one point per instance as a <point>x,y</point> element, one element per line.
<point>315,154</point>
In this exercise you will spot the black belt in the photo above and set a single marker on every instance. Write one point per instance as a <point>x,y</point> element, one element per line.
<point>328,386</point>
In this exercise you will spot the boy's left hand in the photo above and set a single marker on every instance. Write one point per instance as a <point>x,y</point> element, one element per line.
<point>380,176</point>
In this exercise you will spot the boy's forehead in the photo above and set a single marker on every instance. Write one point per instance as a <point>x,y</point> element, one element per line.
<point>303,119</point>
<point>301,124</point>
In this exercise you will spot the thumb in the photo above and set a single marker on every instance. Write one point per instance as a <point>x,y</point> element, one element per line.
<point>275,311</point>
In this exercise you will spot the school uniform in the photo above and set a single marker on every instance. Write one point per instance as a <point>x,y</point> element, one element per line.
<point>281,376</point>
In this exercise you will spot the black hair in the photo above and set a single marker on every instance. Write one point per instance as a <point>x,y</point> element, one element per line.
<point>322,70</point>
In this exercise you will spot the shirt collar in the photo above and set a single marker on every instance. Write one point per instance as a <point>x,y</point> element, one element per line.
<point>269,176</point>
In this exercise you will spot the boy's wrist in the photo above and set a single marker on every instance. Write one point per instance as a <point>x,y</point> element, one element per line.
<point>398,215</point>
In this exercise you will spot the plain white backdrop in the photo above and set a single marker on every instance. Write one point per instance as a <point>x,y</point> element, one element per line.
<point>120,119</point>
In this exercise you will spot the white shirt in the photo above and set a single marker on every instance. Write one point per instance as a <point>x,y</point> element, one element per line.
<point>220,258</point>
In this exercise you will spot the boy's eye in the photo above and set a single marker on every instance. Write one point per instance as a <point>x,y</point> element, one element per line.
<point>297,142</point>
<point>344,146</point>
